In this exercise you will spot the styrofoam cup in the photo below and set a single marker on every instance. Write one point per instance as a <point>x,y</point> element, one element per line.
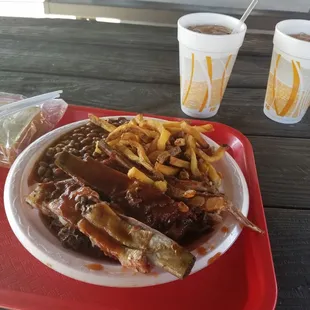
<point>206,62</point>
<point>288,90</point>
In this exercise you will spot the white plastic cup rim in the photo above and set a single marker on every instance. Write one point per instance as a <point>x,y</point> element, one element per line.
<point>208,42</point>
<point>289,45</point>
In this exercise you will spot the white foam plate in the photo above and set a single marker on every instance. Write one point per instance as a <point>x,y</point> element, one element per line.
<point>43,245</point>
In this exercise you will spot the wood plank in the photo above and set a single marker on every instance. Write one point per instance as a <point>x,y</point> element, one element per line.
<point>241,108</point>
<point>284,170</point>
<point>128,64</point>
<point>89,32</point>
<point>289,232</point>
<point>105,34</point>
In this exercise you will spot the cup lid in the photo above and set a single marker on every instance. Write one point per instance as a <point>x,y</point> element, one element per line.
<point>209,42</point>
<point>290,45</point>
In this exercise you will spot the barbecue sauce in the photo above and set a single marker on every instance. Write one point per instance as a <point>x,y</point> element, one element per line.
<point>96,267</point>
<point>214,258</point>
<point>202,251</point>
<point>224,229</point>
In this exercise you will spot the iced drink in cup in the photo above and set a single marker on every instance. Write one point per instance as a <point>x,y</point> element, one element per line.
<point>207,52</point>
<point>288,91</point>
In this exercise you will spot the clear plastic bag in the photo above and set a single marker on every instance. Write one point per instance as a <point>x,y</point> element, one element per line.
<point>21,127</point>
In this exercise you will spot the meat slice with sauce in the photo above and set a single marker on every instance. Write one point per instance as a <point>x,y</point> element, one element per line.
<point>138,200</point>
<point>132,243</point>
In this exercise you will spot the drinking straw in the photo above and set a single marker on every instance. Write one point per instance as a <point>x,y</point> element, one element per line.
<point>7,109</point>
<point>247,12</point>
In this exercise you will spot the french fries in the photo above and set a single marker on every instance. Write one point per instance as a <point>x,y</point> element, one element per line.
<point>190,142</point>
<point>133,122</point>
<point>164,156</point>
<point>191,146</point>
<point>161,185</point>
<point>208,169</point>
<point>135,173</point>
<point>163,139</point>
<point>176,162</point>
<point>164,133</point>
<point>113,142</point>
<point>128,153</point>
<point>214,175</point>
<point>133,157</point>
<point>140,150</point>
<point>195,134</point>
<point>218,154</point>
<point>117,133</point>
<point>166,170</point>
<point>101,123</point>
<point>203,166</point>
<point>174,130</point>
<point>177,126</point>
<point>194,164</point>
<point>97,148</point>
<point>153,156</point>
<point>169,125</point>
<point>204,128</point>
<point>165,149</point>
<point>153,145</point>
<point>130,136</point>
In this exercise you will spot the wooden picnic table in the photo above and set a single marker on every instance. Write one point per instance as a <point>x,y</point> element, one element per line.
<point>135,68</point>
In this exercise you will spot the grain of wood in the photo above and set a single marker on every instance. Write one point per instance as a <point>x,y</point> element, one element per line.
<point>117,35</point>
<point>129,64</point>
<point>289,232</point>
<point>283,166</point>
<point>241,108</point>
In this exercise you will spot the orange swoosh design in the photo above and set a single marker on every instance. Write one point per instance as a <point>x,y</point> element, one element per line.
<point>210,69</point>
<point>223,75</point>
<point>191,79</point>
<point>296,83</point>
<point>274,83</point>
<point>210,73</point>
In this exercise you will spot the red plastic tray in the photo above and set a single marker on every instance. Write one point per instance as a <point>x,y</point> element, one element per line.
<point>243,278</point>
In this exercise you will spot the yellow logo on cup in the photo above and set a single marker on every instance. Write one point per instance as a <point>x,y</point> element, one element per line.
<point>198,95</point>
<point>286,100</point>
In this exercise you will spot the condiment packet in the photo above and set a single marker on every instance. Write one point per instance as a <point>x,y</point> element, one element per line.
<point>19,128</point>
